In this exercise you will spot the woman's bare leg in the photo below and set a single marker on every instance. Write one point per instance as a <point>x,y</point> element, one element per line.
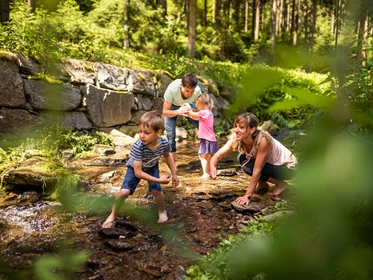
<point>280,185</point>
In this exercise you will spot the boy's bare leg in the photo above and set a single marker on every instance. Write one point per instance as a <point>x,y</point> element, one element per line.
<point>280,186</point>
<point>159,199</point>
<point>118,202</point>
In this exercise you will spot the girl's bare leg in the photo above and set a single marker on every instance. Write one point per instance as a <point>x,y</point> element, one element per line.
<point>205,163</point>
<point>159,199</point>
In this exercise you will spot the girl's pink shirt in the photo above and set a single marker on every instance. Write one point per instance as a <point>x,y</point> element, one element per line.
<point>206,125</point>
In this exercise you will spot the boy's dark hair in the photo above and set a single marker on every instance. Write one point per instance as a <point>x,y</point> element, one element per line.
<point>152,119</point>
<point>189,80</point>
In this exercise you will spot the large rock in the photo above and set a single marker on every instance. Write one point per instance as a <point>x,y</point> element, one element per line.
<point>11,86</point>
<point>25,64</point>
<point>58,97</point>
<point>106,107</point>
<point>71,120</point>
<point>30,174</point>
<point>18,120</point>
<point>78,72</point>
<point>143,82</point>
<point>112,77</point>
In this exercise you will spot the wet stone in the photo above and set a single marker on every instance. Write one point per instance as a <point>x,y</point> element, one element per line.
<point>115,233</point>
<point>252,207</point>
<point>119,245</point>
<point>227,172</point>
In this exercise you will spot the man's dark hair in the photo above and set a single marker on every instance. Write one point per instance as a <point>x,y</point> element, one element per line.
<point>189,81</point>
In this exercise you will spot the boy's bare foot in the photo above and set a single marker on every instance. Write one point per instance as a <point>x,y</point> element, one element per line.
<point>109,223</point>
<point>162,217</point>
<point>205,176</point>
<point>279,189</point>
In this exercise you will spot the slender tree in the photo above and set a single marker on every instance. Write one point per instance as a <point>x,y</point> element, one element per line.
<point>126,25</point>
<point>164,8</point>
<point>246,16</point>
<point>313,24</point>
<point>192,22</point>
<point>31,5</point>
<point>274,20</point>
<point>4,11</point>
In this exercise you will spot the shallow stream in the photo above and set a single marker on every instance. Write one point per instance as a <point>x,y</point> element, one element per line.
<point>200,216</point>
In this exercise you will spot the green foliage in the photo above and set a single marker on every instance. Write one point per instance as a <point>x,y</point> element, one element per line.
<point>216,265</point>
<point>60,267</point>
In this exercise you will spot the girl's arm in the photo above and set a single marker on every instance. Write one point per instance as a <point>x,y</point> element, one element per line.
<point>222,152</point>
<point>193,115</point>
<point>171,165</point>
<point>137,167</point>
<point>263,151</point>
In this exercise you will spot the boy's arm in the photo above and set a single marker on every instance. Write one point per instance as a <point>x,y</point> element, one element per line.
<point>137,167</point>
<point>171,165</point>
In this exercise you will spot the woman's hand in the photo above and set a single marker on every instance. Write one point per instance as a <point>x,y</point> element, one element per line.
<point>243,200</point>
<point>213,172</point>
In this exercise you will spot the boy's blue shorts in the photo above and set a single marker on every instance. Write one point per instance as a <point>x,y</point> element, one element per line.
<point>130,181</point>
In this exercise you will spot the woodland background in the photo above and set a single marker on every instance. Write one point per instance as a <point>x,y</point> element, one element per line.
<point>303,64</point>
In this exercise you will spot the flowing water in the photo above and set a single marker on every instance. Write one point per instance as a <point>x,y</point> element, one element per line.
<point>200,215</point>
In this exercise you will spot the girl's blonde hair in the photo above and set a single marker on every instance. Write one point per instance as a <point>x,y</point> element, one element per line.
<point>249,120</point>
<point>205,99</point>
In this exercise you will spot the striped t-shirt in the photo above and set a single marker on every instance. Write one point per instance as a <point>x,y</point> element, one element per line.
<point>148,157</point>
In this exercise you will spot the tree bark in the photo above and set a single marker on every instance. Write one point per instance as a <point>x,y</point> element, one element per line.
<point>126,25</point>
<point>204,19</point>
<point>274,20</point>
<point>192,27</point>
<point>296,21</point>
<point>4,11</point>
<point>164,8</point>
<point>246,16</point>
<point>31,6</point>
<point>313,23</point>
<point>257,20</point>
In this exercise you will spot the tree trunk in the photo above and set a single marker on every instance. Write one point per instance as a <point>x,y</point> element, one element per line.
<point>257,20</point>
<point>192,27</point>
<point>246,16</point>
<point>217,13</point>
<point>296,22</point>
<point>313,23</point>
<point>31,6</point>
<point>204,19</point>
<point>274,20</point>
<point>186,10</point>
<point>164,8</point>
<point>337,14</point>
<point>126,25</point>
<point>4,11</point>
<point>237,13</point>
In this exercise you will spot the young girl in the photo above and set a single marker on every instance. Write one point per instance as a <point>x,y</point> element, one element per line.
<point>208,144</point>
<point>261,156</point>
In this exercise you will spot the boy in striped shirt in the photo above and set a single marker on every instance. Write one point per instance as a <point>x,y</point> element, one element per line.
<point>143,164</point>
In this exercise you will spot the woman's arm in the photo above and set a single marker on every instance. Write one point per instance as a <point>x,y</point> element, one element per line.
<point>137,167</point>
<point>260,160</point>
<point>222,152</point>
